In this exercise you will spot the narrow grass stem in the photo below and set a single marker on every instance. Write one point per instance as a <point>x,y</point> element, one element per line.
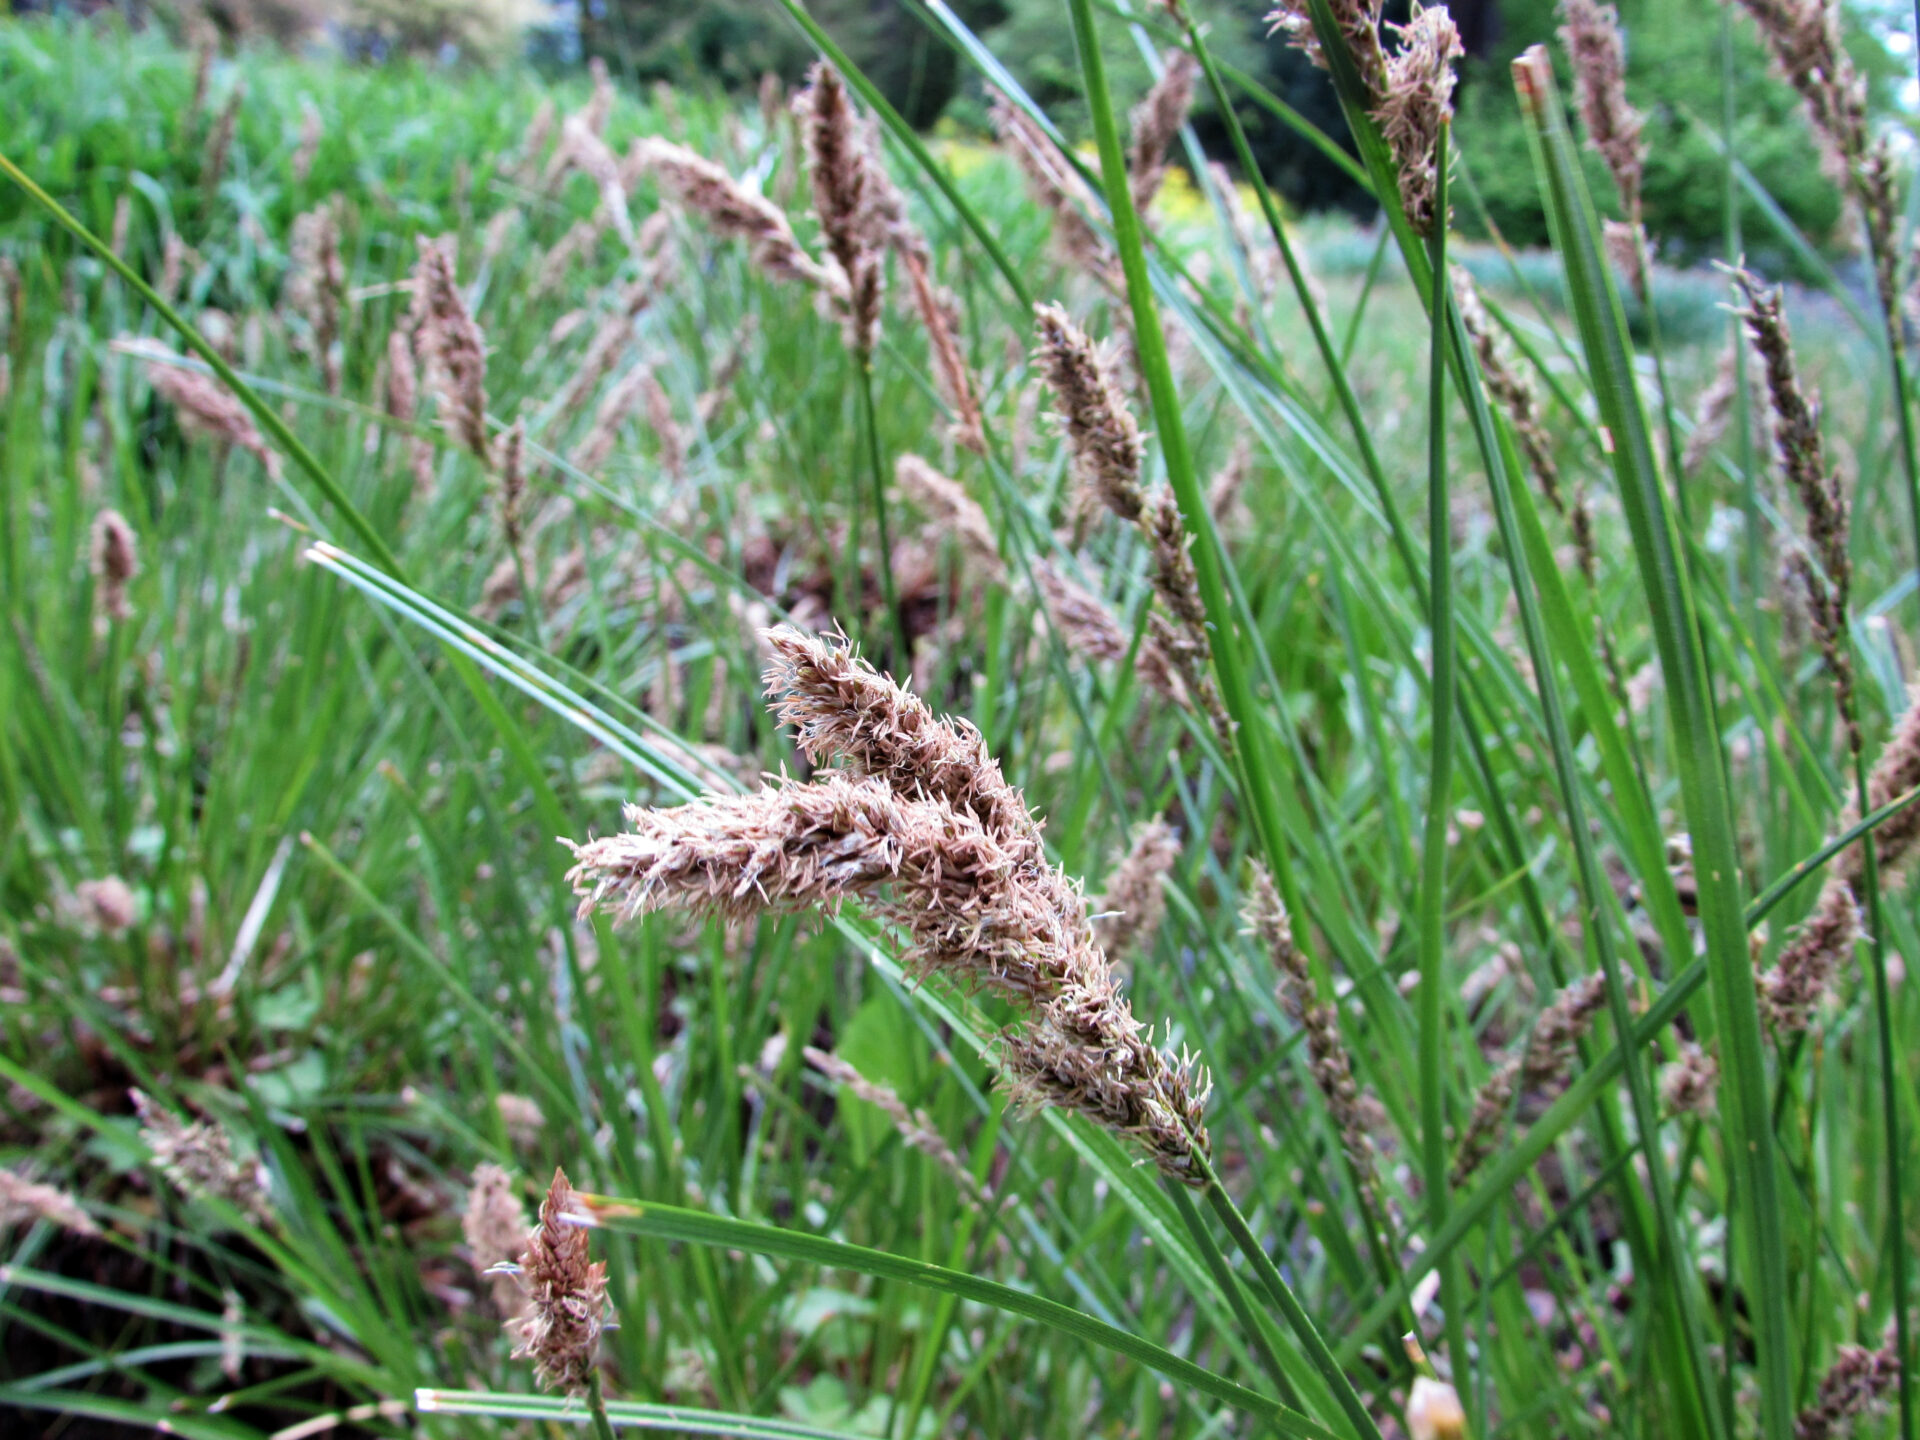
<point>1433,850</point>
<point>597,1406</point>
<point>1889,1103</point>
<point>1288,1304</point>
<point>876,474</point>
<point>1230,1287</point>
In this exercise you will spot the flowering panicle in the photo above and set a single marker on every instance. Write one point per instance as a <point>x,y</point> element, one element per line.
<point>1516,397</point>
<point>1409,92</point>
<point>915,1127</point>
<point>582,149</point>
<point>623,397</point>
<point>611,339</point>
<point>316,284</point>
<point>1548,1054</point>
<point>1591,33</point>
<point>566,1297</point>
<point>1090,628</point>
<point>952,510</point>
<point>23,1200</point>
<point>1688,1084</point>
<point>206,406</point>
<point>108,902</point>
<point>495,1227</point>
<point>921,827</point>
<point>1154,123</point>
<point>1265,917</point>
<point>213,166</point>
<point>1128,915</point>
<point>312,132</point>
<point>403,404</point>
<point>1852,1386</point>
<point>951,373</point>
<point>115,561</point>
<point>1792,987</point>
<point>1827,576</point>
<point>452,345</point>
<point>735,211</point>
<point>1714,409</point>
<point>1058,188</point>
<point>844,194</point>
<point>1108,455</point>
<point>1804,39</point>
<point>198,1157</point>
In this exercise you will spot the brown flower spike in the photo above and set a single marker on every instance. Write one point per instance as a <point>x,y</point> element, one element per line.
<point>922,828</point>
<point>566,1297</point>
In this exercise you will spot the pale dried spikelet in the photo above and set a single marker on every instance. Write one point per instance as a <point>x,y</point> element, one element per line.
<point>952,511</point>
<point>451,343</point>
<point>1804,39</point>
<point>175,256</point>
<point>513,482</point>
<point>611,340</point>
<point>213,165</point>
<point>1128,915</point>
<point>1544,1061</point>
<point>1101,432</point>
<point>737,212</point>
<point>951,373</point>
<point>838,163</point>
<point>108,903</point>
<point>312,131</point>
<point>572,249</point>
<point>1058,188</point>
<point>199,1159</point>
<point>1591,33</point>
<point>1827,580</point>
<point>923,828</point>
<point>566,1297</point>
<point>1688,1085</point>
<point>616,408</point>
<point>1714,410</point>
<point>1358,22</point>
<point>1418,100</point>
<point>1516,397</point>
<point>598,110</point>
<point>1896,772</point>
<point>114,559</point>
<point>1434,1411</point>
<point>1265,916</point>
<point>914,1127</point>
<point>522,1117</point>
<point>582,149</point>
<point>403,403</point>
<point>1154,123</point>
<point>1851,1387</point>
<point>23,1201</point>
<point>494,1225</point>
<point>1088,626</point>
<point>206,406</point>
<point>316,285</point>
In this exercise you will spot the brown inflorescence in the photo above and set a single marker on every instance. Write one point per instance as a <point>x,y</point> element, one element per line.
<point>450,342</point>
<point>1154,123</point>
<point>921,827</point>
<point>1129,913</point>
<point>494,1225</point>
<point>844,197</point>
<point>566,1297</point>
<point>1088,626</point>
<point>115,560</point>
<point>1854,1382</point>
<point>953,511</point>
<point>1053,184</point>
<point>198,1157</point>
<point>1688,1084</point>
<point>1265,916</point>
<point>23,1200</point>
<point>1591,33</point>
<point>1545,1061</point>
<point>737,212</point>
<point>206,406</point>
<point>915,1127</point>
<point>317,284</point>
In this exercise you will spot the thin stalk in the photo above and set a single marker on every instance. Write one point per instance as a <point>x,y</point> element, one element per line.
<point>1433,852</point>
<point>902,657</point>
<point>1282,1296</point>
<point>1889,1103</point>
<point>597,1406</point>
<point>1236,1297</point>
